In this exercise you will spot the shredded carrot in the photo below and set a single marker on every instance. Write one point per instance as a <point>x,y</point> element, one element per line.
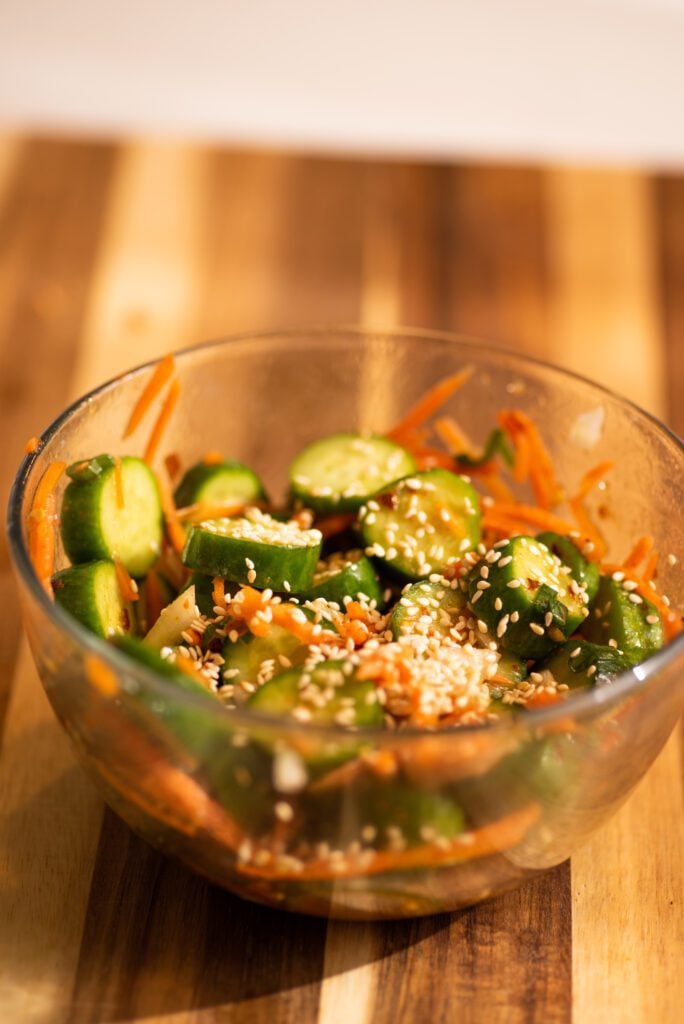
<point>174,530</point>
<point>531,457</point>
<point>593,477</point>
<point>154,602</point>
<point>162,373</point>
<point>430,403</point>
<point>202,510</point>
<point>101,676</point>
<point>41,522</point>
<point>260,612</point>
<point>495,837</point>
<point>651,567</point>
<point>589,530</point>
<point>218,593</point>
<point>522,517</point>
<point>118,483</point>
<point>452,436</point>
<point>212,458</point>
<point>641,549</point>
<point>162,421</point>
<point>338,523</point>
<point>500,680</point>
<point>172,464</point>
<point>499,488</point>
<point>543,699</point>
<point>428,457</point>
<point>32,445</point>
<point>128,588</point>
<point>189,668</point>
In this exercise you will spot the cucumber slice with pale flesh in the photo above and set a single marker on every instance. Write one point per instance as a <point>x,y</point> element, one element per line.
<point>528,600</point>
<point>584,572</point>
<point>580,664</point>
<point>427,608</point>
<point>246,658</point>
<point>324,694</point>
<point>219,483</point>
<point>346,575</point>
<point>422,524</point>
<point>255,550</point>
<point>338,473</point>
<point>91,593</point>
<point>626,618</point>
<point>112,512</point>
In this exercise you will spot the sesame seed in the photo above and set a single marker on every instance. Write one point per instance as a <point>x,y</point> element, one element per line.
<point>283,811</point>
<point>515,616</point>
<point>636,599</point>
<point>482,626</point>
<point>514,584</point>
<point>483,585</point>
<point>591,671</point>
<point>577,651</point>
<point>652,620</point>
<point>671,559</point>
<point>505,561</point>
<point>498,604</point>
<point>502,626</point>
<point>484,572</point>
<point>618,577</point>
<point>536,628</point>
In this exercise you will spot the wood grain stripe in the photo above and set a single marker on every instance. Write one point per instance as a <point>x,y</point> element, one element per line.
<point>670,236</point>
<point>50,219</point>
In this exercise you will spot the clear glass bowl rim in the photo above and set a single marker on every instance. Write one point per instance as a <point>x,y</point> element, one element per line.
<point>581,705</point>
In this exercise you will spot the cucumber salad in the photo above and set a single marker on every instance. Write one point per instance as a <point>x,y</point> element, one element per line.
<point>406,580</point>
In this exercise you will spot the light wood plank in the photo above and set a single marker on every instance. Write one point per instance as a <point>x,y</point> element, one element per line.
<point>628,881</point>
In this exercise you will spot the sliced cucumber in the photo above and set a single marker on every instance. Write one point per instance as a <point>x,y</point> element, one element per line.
<point>340,472</point>
<point>98,522</point>
<point>422,524</point>
<point>255,549</point>
<point>584,572</point>
<point>581,664</point>
<point>219,483</point>
<point>246,657</point>
<point>525,597</point>
<point>174,620</point>
<point>625,618</point>
<point>326,693</point>
<point>346,575</point>
<point>90,592</point>
<point>512,668</point>
<point>431,609</point>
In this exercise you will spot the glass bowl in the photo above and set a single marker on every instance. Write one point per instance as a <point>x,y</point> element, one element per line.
<point>204,784</point>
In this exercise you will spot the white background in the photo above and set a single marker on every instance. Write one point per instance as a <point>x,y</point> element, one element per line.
<point>599,80</point>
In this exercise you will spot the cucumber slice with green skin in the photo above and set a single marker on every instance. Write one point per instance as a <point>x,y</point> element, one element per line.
<point>512,668</point>
<point>423,523</point>
<point>217,483</point>
<point>237,774</point>
<point>529,601</point>
<point>330,695</point>
<point>579,664</point>
<point>431,609</point>
<point>92,524</point>
<point>346,575</point>
<point>246,658</point>
<point>173,621</point>
<point>255,550</point>
<point>584,572</point>
<point>338,473</point>
<point>635,625</point>
<point>90,592</point>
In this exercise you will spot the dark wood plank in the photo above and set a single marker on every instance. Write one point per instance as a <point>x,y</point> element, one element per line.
<point>49,226</point>
<point>507,960</point>
<point>669,194</point>
<point>158,939</point>
<point>497,269</point>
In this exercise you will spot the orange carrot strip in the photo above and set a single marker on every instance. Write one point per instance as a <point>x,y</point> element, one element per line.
<point>189,668</point>
<point>593,477</point>
<point>218,593</point>
<point>543,699</point>
<point>162,421</point>
<point>588,529</point>
<point>41,522</point>
<point>212,458</point>
<point>641,549</point>
<point>163,372</point>
<point>127,587</point>
<point>491,478</point>
<point>451,435</point>
<point>527,515</point>
<point>202,510</point>
<point>430,402</point>
<point>154,601</point>
<point>172,464</point>
<point>492,838</point>
<point>531,456</point>
<point>650,567</point>
<point>101,676</point>
<point>174,530</point>
<point>118,482</point>
<point>32,445</point>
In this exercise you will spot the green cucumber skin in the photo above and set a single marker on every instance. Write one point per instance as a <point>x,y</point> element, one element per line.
<point>84,506</point>
<point>519,639</point>
<point>219,482</point>
<point>249,652</point>
<point>451,491</point>
<point>624,622</point>
<point>336,502</point>
<point>80,590</point>
<point>586,573</point>
<point>452,602</point>
<point>354,581</point>
<point>570,664</point>
<point>274,565</point>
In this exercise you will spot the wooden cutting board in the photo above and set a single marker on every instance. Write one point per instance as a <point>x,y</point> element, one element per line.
<point>110,255</point>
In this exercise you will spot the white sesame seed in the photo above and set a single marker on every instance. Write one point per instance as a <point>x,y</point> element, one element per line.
<point>591,670</point>
<point>652,620</point>
<point>514,584</point>
<point>576,652</point>
<point>498,604</point>
<point>636,599</point>
<point>283,811</point>
<point>671,559</point>
<point>536,628</point>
